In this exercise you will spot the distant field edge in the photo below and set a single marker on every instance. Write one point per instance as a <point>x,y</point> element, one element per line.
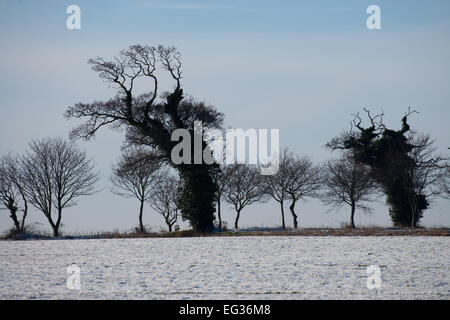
<point>252,232</point>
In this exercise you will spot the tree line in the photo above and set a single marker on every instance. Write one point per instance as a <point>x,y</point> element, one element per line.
<point>53,173</point>
<point>402,164</point>
<point>340,181</point>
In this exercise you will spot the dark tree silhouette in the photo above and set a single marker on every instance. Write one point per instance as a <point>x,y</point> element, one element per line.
<point>303,182</point>
<point>150,121</point>
<point>347,181</point>
<point>244,187</point>
<point>424,175</point>
<point>12,193</point>
<point>276,186</point>
<point>134,177</point>
<point>165,197</point>
<point>55,174</point>
<point>394,158</point>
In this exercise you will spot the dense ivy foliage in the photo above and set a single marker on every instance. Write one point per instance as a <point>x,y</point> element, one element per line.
<point>387,153</point>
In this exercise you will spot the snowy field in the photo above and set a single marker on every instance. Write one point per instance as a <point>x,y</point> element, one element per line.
<point>227,268</point>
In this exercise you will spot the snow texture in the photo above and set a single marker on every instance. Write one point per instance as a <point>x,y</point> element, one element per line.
<point>227,268</point>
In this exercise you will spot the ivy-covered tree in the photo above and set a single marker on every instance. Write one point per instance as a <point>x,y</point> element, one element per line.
<point>400,161</point>
<point>150,119</point>
<point>12,193</point>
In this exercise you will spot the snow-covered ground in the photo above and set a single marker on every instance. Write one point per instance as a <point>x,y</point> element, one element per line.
<point>227,268</point>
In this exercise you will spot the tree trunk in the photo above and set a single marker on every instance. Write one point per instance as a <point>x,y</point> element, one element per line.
<point>55,228</point>
<point>352,215</point>
<point>414,212</point>
<point>294,216</point>
<point>238,213</point>
<point>25,210</point>
<point>198,197</point>
<point>13,211</point>
<point>218,213</point>
<point>58,222</point>
<point>283,224</point>
<point>141,211</point>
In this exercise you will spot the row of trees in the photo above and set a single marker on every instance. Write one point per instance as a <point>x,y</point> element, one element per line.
<point>394,161</point>
<point>149,120</point>
<point>337,182</point>
<point>340,181</point>
<point>239,185</point>
<point>53,173</point>
<point>50,176</point>
<point>400,163</point>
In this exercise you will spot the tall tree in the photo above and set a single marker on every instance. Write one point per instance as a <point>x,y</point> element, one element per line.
<point>150,120</point>
<point>244,187</point>
<point>133,177</point>
<point>165,197</point>
<point>12,193</point>
<point>56,173</point>
<point>347,181</point>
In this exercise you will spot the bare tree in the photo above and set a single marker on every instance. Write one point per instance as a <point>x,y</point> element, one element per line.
<point>221,180</point>
<point>276,185</point>
<point>12,193</point>
<point>426,174</point>
<point>244,187</point>
<point>56,173</point>
<point>347,181</point>
<point>165,197</point>
<point>304,181</point>
<point>134,177</point>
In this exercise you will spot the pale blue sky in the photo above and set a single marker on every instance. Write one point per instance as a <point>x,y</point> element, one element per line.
<point>300,66</point>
